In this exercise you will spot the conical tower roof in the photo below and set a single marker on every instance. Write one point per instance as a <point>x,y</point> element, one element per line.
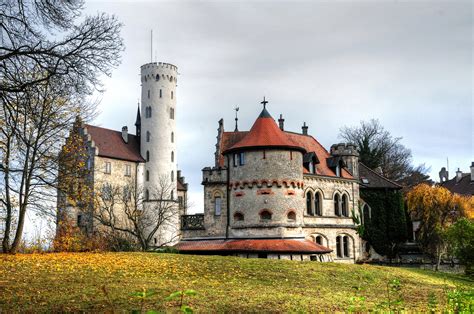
<point>265,133</point>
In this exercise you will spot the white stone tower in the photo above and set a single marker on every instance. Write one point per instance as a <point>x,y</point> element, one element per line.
<point>158,127</point>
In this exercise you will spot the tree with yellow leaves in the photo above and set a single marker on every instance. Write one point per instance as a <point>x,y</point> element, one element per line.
<point>437,209</point>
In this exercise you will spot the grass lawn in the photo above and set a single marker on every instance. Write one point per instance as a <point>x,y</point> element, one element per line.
<point>106,282</point>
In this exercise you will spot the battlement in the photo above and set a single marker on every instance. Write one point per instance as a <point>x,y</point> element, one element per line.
<point>159,72</point>
<point>344,149</point>
<point>155,65</point>
<point>214,175</point>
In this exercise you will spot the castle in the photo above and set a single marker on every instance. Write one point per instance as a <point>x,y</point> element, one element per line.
<point>143,166</point>
<point>271,193</point>
<point>281,195</point>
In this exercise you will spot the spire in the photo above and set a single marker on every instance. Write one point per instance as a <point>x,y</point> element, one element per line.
<point>138,121</point>
<point>236,119</point>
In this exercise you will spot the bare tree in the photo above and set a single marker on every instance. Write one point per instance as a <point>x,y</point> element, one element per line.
<point>43,84</point>
<point>144,214</point>
<point>378,148</point>
<point>29,44</point>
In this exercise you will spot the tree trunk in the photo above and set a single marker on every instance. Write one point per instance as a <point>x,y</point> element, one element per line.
<point>19,230</point>
<point>6,235</point>
<point>438,259</point>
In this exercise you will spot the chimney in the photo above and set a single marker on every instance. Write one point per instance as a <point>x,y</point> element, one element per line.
<point>472,171</point>
<point>281,122</point>
<point>305,129</point>
<point>125,134</point>
<point>458,175</point>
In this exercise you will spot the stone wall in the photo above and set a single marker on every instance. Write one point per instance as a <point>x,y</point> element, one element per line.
<point>269,181</point>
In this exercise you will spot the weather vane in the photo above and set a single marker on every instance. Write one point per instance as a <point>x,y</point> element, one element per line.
<point>264,103</point>
<point>236,119</point>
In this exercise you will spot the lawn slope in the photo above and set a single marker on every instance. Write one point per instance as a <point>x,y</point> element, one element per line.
<point>106,281</point>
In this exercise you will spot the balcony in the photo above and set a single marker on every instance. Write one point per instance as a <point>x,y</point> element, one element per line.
<point>192,222</point>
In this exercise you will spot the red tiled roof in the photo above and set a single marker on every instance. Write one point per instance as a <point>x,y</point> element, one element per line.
<point>265,133</point>
<point>228,140</point>
<point>253,245</point>
<point>111,144</point>
<point>312,145</point>
<point>309,143</point>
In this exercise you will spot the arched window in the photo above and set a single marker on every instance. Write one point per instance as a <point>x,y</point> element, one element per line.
<point>149,112</point>
<point>161,94</point>
<point>147,195</point>
<point>265,215</point>
<point>291,216</point>
<point>338,247</point>
<point>317,204</point>
<point>147,156</point>
<point>148,136</point>
<point>148,93</point>
<point>238,217</point>
<point>366,214</point>
<point>148,175</point>
<point>309,203</point>
<point>172,113</point>
<point>346,246</point>
<point>217,205</point>
<point>172,156</point>
<point>171,94</point>
<point>157,77</point>
<point>319,240</point>
<point>172,194</point>
<point>345,206</point>
<point>337,204</point>
<point>172,137</point>
<point>172,176</point>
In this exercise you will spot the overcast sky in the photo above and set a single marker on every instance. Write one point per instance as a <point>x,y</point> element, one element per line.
<point>328,63</point>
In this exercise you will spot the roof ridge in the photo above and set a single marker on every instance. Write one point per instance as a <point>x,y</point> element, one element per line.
<point>100,127</point>
<point>379,175</point>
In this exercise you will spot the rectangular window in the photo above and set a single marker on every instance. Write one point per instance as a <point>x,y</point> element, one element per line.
<point>128,170</point>
<point>235,160</point>
<point>127,193</point>
<point>217,205</point>
<point>108,167</point>
<point>161,93</point>
<point>241,159</point>
<point>148,94</point>
<point>79,220</point>
<point>107,192</point>
<point>171,94</point>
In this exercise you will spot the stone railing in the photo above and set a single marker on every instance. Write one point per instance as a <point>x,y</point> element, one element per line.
<point>192,222</point>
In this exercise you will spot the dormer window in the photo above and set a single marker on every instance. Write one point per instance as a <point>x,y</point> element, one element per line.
<point>310,160</point>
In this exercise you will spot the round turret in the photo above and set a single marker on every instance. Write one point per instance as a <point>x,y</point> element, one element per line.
<point>158,124</point>
<point>265,182</point>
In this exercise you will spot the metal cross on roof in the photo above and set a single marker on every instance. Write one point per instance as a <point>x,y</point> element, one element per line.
<point>264,103</point>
